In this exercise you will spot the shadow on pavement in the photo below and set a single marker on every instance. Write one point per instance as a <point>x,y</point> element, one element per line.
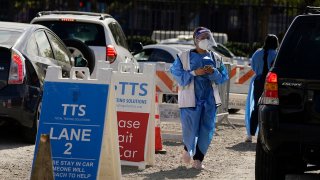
<point>10,137</point>
<point>243,147</point>
<point>179,173</point>
<point>171,143</point>
<point>224,125</point>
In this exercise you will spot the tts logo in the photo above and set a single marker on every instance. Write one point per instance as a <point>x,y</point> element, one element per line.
<point>133,88</point>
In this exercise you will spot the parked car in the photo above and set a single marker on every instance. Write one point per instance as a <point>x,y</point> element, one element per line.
<point>220,49</point>
<point>166,53</point>
<point>160,53</point>
<point>25,52</point>
<point>289,110</point>
<point>80,30</point>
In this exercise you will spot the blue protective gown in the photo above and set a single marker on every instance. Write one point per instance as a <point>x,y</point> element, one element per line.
<point>198,123</point>
<point>257,64</point>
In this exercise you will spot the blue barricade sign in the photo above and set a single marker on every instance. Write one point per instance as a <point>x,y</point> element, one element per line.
<point>73,114</point>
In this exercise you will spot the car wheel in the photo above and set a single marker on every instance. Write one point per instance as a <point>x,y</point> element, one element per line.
<point>30,134</point>
<point>233,111</point>
<point>78,48</point>
<point>266,165</point>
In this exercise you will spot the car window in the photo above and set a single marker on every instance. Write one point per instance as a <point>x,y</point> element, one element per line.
<point>8,37</point>
<point>59,49</point>
<point>43,44</point>
<point>32,47</point>
<point>143,55</point>
<point>299,53</point>
<point>154,55</point>
<point>118,34</point>
<point>89,33</point>
<point>224,51</point>
<point>159,55</point>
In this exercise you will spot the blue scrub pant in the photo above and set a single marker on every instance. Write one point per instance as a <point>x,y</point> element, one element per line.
<point>198,156</point>
<point>198,125</point>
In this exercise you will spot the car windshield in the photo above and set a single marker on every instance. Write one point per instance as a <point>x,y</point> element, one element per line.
<point>8,37</point>
<point>299,54</point>
<point>224,51</point>
<point>88,33</point>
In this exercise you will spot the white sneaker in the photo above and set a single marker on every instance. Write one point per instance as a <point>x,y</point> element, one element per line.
<point>248,139</point>
<point>185,158</point>
<point>197,164</point>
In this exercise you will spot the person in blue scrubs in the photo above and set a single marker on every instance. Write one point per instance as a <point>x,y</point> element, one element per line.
<point>198,122</point>
<point>261,62</point>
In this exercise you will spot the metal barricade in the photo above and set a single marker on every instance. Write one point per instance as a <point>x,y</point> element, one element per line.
<point>222,111</point>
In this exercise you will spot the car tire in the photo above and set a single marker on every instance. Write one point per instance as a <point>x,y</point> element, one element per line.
<point>77,48</point>
<point>30,134</point>
<point>233,111</point>
<point>267,164</point>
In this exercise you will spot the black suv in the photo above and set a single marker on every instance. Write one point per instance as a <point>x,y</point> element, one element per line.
<point>289,109</point>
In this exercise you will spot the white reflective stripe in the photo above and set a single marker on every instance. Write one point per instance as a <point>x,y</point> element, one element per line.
<point>237,75</point>
<point>162,85</point>
<point>241,72</point>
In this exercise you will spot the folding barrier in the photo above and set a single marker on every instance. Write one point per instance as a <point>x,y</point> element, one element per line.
<point>222,111</point>
<point>240,77</point>
<point>135,100</point>
<point>79,116</point>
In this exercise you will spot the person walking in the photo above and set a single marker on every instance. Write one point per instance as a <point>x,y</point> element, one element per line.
<point>261,62</point>
<point>198,71</point>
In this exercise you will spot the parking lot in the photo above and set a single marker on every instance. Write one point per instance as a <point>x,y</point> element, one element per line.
<point>97,77</point>
<point>228,158</point>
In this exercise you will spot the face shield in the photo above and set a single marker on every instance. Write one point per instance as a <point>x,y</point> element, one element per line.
<point>204,40</point>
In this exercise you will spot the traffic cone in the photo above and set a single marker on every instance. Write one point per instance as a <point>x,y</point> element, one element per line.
<point>43,168</point>
<point>158,140</point>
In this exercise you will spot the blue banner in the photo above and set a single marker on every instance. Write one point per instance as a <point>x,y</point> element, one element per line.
<point>73,114</point>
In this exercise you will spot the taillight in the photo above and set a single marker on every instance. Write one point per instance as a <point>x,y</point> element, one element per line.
<point>270,94</point>
<point>17,68</point>
<point>111,54</point>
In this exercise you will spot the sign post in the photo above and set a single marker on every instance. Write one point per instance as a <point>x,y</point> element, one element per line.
<point>77,114</point>
<point>135,103</point>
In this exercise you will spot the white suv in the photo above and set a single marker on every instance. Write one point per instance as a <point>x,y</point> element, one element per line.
<point>80,30</point>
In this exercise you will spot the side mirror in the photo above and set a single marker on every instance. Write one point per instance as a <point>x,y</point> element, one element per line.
<point>137,47</point>
<point>80,62</point>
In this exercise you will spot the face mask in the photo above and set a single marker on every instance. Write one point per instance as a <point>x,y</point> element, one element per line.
<point>204,44</point>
